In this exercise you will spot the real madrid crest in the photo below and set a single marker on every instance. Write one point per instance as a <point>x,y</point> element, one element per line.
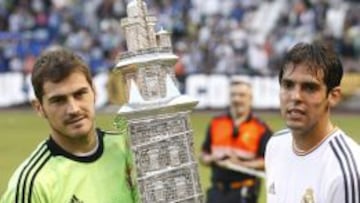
<point>308,197</point>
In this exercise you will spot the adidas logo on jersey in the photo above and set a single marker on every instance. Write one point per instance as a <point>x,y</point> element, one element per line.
<point>74,199</point>
<point>272,189</point>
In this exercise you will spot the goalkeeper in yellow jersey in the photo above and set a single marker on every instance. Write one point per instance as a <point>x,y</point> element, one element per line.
<point>78,162</point>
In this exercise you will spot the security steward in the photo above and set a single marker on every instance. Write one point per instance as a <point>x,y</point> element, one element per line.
<point>240,137</point>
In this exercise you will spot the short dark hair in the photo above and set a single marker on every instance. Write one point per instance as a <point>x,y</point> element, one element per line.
<point>318,57</point>
<point>55,66</point>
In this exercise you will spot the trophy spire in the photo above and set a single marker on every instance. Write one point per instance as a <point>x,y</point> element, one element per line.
<point>139,27</point>
<point>149,58</point>
<point>156,113</point>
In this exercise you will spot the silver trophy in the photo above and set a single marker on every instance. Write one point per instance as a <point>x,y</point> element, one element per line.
<point>157,115</point>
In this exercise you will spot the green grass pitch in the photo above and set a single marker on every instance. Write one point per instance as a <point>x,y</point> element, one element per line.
<point>21,132</point>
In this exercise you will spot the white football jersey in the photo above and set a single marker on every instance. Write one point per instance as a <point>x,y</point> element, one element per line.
<point>327,174</point>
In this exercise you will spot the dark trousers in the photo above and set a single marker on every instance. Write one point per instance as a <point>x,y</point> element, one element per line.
<point>241,195</point>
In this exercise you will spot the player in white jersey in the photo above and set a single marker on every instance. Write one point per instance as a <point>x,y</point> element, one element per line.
<point>312,161</point>
<point>328,173</point>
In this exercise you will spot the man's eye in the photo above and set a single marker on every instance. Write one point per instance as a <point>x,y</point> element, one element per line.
<point>287,84</point>
<point>310,88</point>
<point>57,100</point>
<point>79,94</point>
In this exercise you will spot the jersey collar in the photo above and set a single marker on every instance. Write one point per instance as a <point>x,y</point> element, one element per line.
<point>56,150</point>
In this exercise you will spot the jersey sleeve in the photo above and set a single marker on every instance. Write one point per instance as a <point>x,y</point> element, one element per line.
<point>9,195</point>
<point>15,193</point>
<point>131,176</point>
<point>271,149</point>
<point>336,191</point>
<point>130,165</point>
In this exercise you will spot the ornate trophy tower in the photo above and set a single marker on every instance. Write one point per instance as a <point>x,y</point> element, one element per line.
<point>157,115</point>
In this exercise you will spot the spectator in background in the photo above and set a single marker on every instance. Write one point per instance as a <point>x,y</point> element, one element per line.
<point>238,137</point>
<point>313,160</point>
<point>206,28</point>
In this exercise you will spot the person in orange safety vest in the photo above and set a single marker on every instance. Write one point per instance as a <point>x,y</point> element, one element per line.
<point>238,137</point>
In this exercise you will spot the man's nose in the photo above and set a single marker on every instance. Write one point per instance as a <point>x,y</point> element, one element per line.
<point>73,106</point>
<point>296,94</point>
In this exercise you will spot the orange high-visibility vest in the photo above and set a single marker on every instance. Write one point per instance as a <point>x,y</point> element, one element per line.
<point>245,143</point>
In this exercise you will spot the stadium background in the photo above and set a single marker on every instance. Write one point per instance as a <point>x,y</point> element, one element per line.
<point>213,39</point>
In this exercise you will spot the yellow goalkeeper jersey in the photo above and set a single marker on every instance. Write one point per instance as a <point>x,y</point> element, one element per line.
<point>51,175</point>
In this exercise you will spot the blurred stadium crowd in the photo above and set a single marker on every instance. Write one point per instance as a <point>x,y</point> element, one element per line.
<point>212,36</point>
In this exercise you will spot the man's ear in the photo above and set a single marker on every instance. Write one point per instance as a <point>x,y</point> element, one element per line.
<point>334,96</point>
<point>38,108</point>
